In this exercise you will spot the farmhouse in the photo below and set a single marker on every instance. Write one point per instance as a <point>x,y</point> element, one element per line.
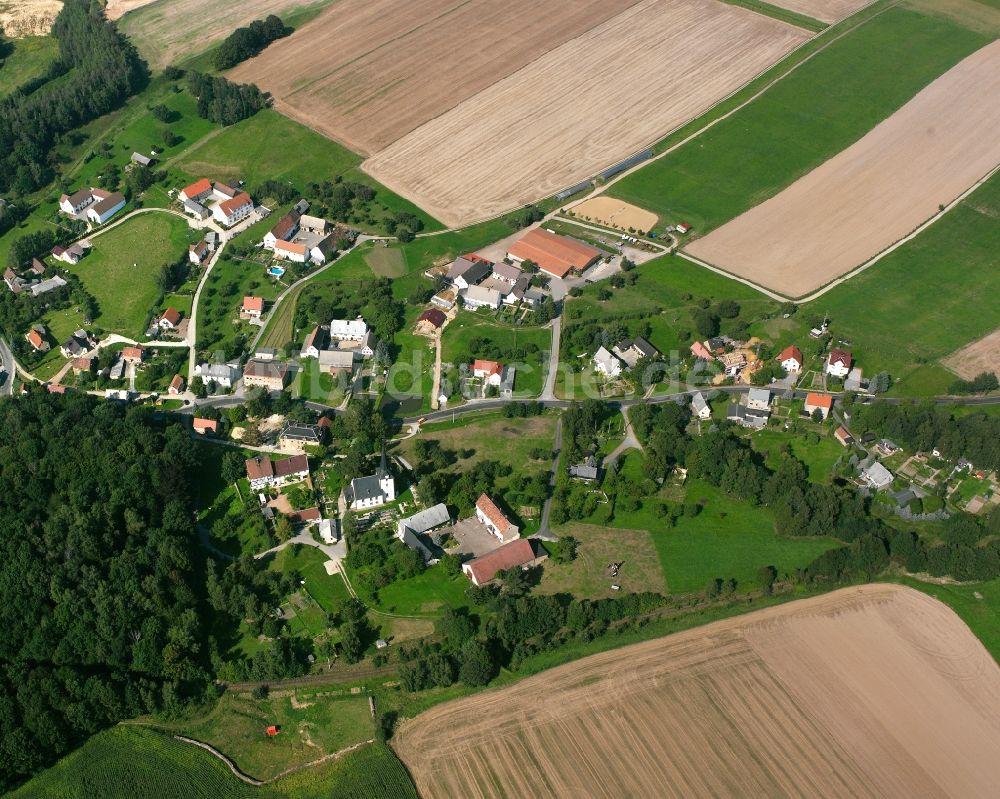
<point>699,406</point>
<point>606,364</point>
<point>348,329</point>
<point>252,308</point>
<point>284,230</point>
<point>555,255</point>
<point>315,342</point>
<point>291,251</point>
<point>198,190</point>
<point>221,374</point>
<point>791,359</point>
<point>36,338</point>
<point>203,426</point>
<point>333,362</point>
<point>491,372</point>
<point>517,554</point>
<point>818,402</point>
<point>72,204</point>
<point>838,364</point>
<point>475,297</point>
<point>632,350</point>
<point>494,520</point>
<point>262,471</point>
<point>753,418</point>
<point>408,529</point>
<point>372,491</point>
<point>506,273</point>
<point>224,192</point>
<point>169,319</point>
<point>313,224</point>
<point>430,321</point>
<point>105,208</point>
<point>70,255</point>
<point>324,249</point>
<point>876,476</point>
<point>229,212</point>
<point>271,375</point>
<point>176,385</point>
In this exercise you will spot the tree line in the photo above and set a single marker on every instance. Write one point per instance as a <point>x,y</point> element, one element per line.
<point>244,43</point>
<point>222,101</point>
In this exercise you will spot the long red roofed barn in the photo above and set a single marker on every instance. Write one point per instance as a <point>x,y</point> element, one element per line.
<point>555,255</point>
<point>519,553</point>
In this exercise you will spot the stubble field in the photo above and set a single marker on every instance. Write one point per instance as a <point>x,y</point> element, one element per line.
<point>369,90</point>
<point>823,10</point>
<point>982,355</point>
<point>877,691</point>
<point>581,107</point>
<point>873,193</point>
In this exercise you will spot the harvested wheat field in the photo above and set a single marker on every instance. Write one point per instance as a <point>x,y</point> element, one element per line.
<point>116,9</point>
<point>873,691</point>
<point>581,107</point>
<point>823,10</point>
<point>28,17</point>
<point>980,356</point>
<point>367,91</point>
<point>873,193</point>
<point>615,213</point>
<point>168,31</point>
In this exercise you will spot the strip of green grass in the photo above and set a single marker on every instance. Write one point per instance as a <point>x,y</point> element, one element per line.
<point>30,57</point>
<point>783,14</point>
<point>828,103</point>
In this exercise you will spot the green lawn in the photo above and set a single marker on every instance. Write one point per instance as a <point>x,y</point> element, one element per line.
<point>316,385</point>
<point>30,58</point>
<point>458,335</point>
<point>268,146</point>
<point>427,594</point>
<point>325,589</point>
<point>120,270</point>
<point>818,456</point>
<point>824,106</point>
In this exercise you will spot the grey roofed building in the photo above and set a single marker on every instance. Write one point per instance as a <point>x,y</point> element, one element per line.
<point>877,476</point>
<point>506,272</point>
<point>425,520</point>
<point>853,380</point>
<point>117,370</point>
<point>54,282</point>
<point>196,209</point>
<point>336,359</point>
<point>142,160</point>
<point>308,433</point>
<point>412,540</point>
<point>470,271</point>
<point>265,353</point>
<point>759,399</point>
<point>535,296</point>
<point>364,488</point>
<point>588,470</point>
<point>301,206</point>
<point>748,417</point>
<point>699,405</point>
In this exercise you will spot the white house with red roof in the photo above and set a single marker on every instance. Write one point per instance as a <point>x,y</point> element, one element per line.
<point>176,385</point>
<point>203,426</point>
<point>819,402</point>
<point>229,212</point>
<point>262,471</point>
<point>169,319</point>
<point>291,251</point>
<point>494,520</point>
<point>491,372</point>
<point>198,190</point>
<point>252,308</point>
<point>791,359</point>
<point>838,364</point>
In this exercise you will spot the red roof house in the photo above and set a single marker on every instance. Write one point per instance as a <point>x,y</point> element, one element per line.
<point>176,385</point>
<point>839,363</point>
<point>494,519</point>
<point>820,402</point>
<point>519,553</point>
<point>170,318</point>
<point>791,358</point>
<point>487,369</point>
<point>203,426</point>
<point>253,306</point>
<point>197,190</point>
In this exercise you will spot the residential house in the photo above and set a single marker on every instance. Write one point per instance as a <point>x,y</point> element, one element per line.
<point>534,297</point>
<point>14,283</point>
<point>252,308</point>
<point>333,362</point>
<point>70,255</point>
<point>494,520</point>
<point>507,383</point>
<point>291,251</point>
<point>475,297</point>
<point>105,208</point>
<point>506,273</point>
<point>199,253</point>
<point>844,437</point>
<point>588,471</point>
<point>117,370</point>
<point>296,437</point>
<point>222,374</point>
<point>76,345</point>
<point>555,255</point>
<point>329,531</point>
<point>517,554</point>
<point>221,191</point>
<point>759,399</point>
<point>36,338</point>
<point>176,385</point>
<point>515,293</point>
<point>606,364</point>
<point>72,204</point>
<point>468,271</point>
<point>631,350</point>
<point>877,476</point>
<point>133,355</point>
<point>263,472</point>
<point>197,191</point>
<point>272,375</point>
<point>229,212</point>
<point>54,282</point>
<point>197,210</point>
<point>491,372</point>
<point>838,364</point>
<point>367,346</point>
<point>315,342</point>
<point>37,267</point>
<point>348,329</point>
<point>284,230</point>
<point>430,321</point>
<point>747,417</point>
<point>169,319</point>
<point>791,359</point>
<point>733,362</point>
<point>818,402</point>
<point>371,491</point>
<point>81,365</point>
<point>202,426</point>
<point>265,353</point>
<point>701,352</point>
<point>700,407</point>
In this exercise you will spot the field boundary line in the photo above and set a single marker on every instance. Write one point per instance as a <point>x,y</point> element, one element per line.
<point>232,766</point>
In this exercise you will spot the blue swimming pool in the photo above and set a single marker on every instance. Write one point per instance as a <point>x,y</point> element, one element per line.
<point>276,271</point>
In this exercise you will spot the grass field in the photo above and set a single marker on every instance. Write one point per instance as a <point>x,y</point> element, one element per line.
<point>129,762</point>
<point>120,270</point>
<point>458,336</point>
<point>386,261</point>
<point>219,304</point>
<point>784,14</point>
<point>268,146</point>
<point>29,58</point>
<point>819,456</point>
<point>821,108</point>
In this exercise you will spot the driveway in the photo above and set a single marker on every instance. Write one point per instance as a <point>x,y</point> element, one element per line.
<point>472,539</point>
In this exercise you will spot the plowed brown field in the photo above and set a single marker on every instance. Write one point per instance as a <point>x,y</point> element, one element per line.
<point>877,691</point>
<point>366,72</point>
<point>873,193</point>
<point>823,10</point>
<point>978,357</point>
<point>581,107</point>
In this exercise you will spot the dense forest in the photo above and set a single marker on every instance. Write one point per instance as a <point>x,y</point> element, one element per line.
<point>108,603</point>
<point>244,43</point>
<point>96,71</point>
<point>223,101</point>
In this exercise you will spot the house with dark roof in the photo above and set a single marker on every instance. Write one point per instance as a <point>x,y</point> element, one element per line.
<point>465,272</point>
<point>284,230</point>
<point>371,491</point>
<point>315,342</point>
<point>262,471</point>
<point>838,363</point>
<point>431,320</point>
<point>588,471</point>
<point>521,553</point>
<point>105,208</point>
<point>410,529</point>
<point>272,375</point>
<point>631,350</point>
<point>296,437</point>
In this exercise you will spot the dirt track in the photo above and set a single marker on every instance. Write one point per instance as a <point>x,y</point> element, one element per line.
<point>823,10</point>
<point>878,691</point>
<point>581,107</point>
<point>369,90</point>
<point>615,213</point>
<point>982,355</point>
<point>873,193</point>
